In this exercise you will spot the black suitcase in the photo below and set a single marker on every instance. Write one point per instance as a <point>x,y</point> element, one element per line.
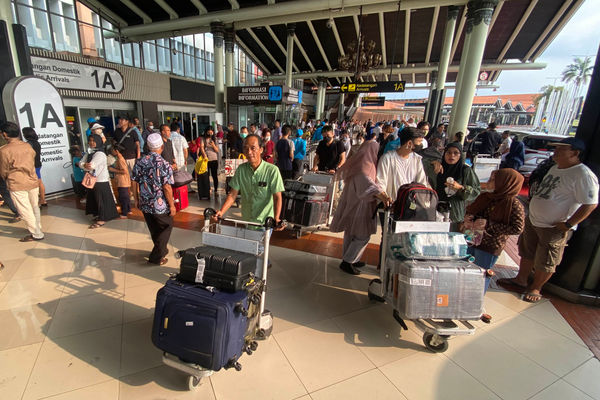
<point>209,328</point>
<point>203,186</point>
<point>212,266</point>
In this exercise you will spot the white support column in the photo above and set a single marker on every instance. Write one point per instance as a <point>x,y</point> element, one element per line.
<point>291,29</point>
<point>320,98</point>
<point>479,16</point>
<point>218,31</point>
<point>447,46</point>
<point>341,107</point>
<point>6,16</point>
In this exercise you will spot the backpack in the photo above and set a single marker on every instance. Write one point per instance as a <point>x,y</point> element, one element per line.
<point>415,202</point>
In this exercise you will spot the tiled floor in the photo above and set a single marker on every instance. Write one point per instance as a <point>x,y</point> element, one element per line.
<point>76,315</point>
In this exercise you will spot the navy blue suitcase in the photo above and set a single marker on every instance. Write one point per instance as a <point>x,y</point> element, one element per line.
<point>203,327</point>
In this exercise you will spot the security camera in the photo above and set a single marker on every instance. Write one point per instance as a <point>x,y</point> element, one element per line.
<point>329,23</point>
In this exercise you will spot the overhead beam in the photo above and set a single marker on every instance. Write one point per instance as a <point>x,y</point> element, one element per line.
<point>382,39</point>
<point>336,34</point>
<point>316,38</point>
<point>270,2</point>
<point>495,15</point>
<point>278,43</point>
<point>436,14</point>
<point>234,4</point>
<point>138,11</point>
<point>306,57</point>
<point>517,29</point>
<point>461,26</point>
<point>406,35</point>
<point>104,11</point>
<point>286,12</point>
<point>548,29</point>
<point>262,46</point>
<point>251,54</point>
<point>558,28</point>
<point>201,9</point>
<point>423,69</point>
<point>356,25</point>
<point>163,4</point>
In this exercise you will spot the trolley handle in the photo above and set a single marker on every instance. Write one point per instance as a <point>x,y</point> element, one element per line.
<point>269,222</point>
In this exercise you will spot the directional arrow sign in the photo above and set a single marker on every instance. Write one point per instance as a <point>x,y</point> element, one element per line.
<point>374,87</point>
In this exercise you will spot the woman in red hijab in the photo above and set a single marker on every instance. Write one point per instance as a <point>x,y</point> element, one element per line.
<point>505,216</point>
<point>355,213</point>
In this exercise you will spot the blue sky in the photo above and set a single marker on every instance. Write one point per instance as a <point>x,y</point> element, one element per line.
<point>579,37</point>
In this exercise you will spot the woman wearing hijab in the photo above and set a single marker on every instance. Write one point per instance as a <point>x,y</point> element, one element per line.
<point>516,155</point>
<point>100,200</point>
<point>355,213</point>
<point>32,138</point>
<point>463,185</point>
<point>504,214</point>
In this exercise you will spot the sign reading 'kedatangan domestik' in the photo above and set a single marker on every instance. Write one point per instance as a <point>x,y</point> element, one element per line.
<point>71,75</point>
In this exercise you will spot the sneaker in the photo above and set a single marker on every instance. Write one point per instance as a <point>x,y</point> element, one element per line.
<point>358,264</point>
<point>347,267</point>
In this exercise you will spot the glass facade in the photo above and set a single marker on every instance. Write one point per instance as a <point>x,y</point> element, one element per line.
<point>68,25</point>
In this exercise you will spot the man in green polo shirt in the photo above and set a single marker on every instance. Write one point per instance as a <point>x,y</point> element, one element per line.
<point>260,183</point>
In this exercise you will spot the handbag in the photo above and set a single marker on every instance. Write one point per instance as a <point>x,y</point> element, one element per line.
<point>89,180</point>
<point>201,165</point>
<point>181,178</point>
<point>474,229</point>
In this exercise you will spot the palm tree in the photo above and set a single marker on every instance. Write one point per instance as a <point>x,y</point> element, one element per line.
<point>546,91</point>
<point>578,72</point>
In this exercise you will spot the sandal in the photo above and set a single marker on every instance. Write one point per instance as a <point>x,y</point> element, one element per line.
<point>96,225</point>
<point>44,205</point>
<point>29,238</point>
<point>162,261</point>
<point>531,297</point>
<point>14,220</point>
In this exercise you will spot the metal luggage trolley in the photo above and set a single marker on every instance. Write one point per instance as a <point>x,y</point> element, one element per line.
<point>245,237</point>
<point>435,331</point>
<point>484,165</point>
<point>319,179</point>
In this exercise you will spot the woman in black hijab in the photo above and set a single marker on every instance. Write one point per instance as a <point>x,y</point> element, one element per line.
<point>456,184</point>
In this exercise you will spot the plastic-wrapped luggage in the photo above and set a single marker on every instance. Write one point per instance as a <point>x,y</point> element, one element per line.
<point>428,246</point>
<point>436,289</point>
<point>213,266</point>
<point>205,327</point>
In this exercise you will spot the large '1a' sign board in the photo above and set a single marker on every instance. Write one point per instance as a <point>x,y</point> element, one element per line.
<point>373,87</point>
<point>34,102</point>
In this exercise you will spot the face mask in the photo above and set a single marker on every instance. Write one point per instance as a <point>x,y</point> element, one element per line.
<point>243,135</point>
<point>267,138</point>
<point>150,127</point>
<point>418,148</point>
<point>329,139</point>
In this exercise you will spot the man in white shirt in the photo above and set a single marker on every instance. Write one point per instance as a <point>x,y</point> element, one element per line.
<point>180,146</point>
<point>566,196</point>
<point>505,145</point>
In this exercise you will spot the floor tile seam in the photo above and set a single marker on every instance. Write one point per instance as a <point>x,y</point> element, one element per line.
<point>274,335</point>
<point>122,297</point>
<point>579,366</point>
<point>544,388</point>
<point>578,388</point>
<point>353,344</point>
<point>472,376</point>
<point>390,381</point>
<point>73,390</point>
<point>122,341</point>
<point>16,270</point>
<point>500,338</point>
<point>54,338</point>
<point>560,333</point>
<point>347,379</point>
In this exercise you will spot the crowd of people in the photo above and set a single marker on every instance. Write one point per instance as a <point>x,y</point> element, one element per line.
<point>372,159</point>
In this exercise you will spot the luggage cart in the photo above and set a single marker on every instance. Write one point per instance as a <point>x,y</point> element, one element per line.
<point>319,179</point>
<point>436,332</point>
<point>484,165</point>
<point>246,237</point>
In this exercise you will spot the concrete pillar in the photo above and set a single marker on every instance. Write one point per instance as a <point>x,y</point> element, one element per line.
<point>479,16</point>
<point>218,31</point>
<point>447,47</point>
<point>6,16</point>
<point>291,29</point>
<point>341,107</point>
<point>459,78</point>
<point>320,98</point>
<point>229,67</point>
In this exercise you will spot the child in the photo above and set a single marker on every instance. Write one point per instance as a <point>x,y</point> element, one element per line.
<point>78,174</point>
<point>122,178</point>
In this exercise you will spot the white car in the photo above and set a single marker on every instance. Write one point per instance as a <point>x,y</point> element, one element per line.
<point>537,151</point>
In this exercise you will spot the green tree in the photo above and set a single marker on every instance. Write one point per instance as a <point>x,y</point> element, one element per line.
<point>546,92</point>
<point>578,72</point>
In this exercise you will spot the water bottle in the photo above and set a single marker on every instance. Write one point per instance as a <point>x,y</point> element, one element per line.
<point>449,191</point>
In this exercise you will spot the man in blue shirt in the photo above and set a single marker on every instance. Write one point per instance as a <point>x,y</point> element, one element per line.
<point>299,154</point>
<point>153,177</point>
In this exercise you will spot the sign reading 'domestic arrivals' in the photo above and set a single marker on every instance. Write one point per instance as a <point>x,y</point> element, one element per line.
<point>34,102</point>
<point>71,75</point>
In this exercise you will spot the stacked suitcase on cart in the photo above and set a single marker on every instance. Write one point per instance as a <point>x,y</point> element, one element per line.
<point>207,315</point>
<point>304,203</point>
<point>428,276</point>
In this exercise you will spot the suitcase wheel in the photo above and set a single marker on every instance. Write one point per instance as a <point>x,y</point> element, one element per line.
<point>194,382</point>
<point>434,342</point>
<point>372,296</point>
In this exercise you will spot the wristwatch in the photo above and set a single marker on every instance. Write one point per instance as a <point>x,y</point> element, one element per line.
<point>568,225</point>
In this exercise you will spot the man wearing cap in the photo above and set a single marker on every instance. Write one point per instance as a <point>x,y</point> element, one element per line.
<point>91,122</point>
<point>128,138</point>
<point>152,179</point>
<point>566,196</point>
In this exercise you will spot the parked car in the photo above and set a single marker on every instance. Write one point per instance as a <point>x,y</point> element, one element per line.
<point>538,174</point>
<point>537,151</point>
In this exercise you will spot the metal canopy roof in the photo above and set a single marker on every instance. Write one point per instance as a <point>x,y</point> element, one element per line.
<point>520,29</point>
